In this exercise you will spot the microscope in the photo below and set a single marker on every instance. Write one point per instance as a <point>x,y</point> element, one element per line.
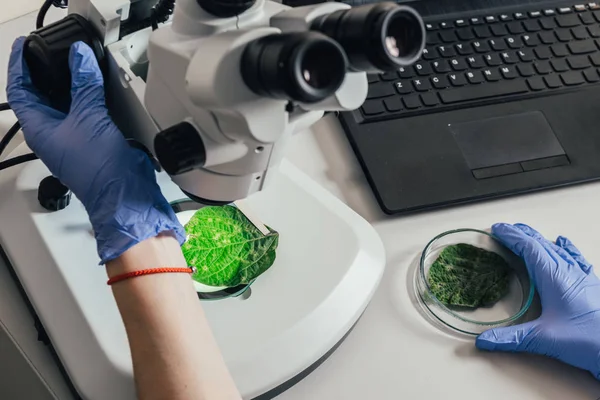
<point>213,93</point>
<point>228,81</point>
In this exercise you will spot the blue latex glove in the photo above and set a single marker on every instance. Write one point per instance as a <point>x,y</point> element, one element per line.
<point>86,151</point>
<point>569,327</point>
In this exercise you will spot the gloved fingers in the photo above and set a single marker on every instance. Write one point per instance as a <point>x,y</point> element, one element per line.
<point>574,252</point>
<point>87,87</point>
<point>533,253</point>
<point>511,338</point>
<point>548,245</point>
<point>24,99</point>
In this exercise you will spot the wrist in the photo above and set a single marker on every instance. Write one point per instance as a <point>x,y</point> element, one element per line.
<point>160,251</point>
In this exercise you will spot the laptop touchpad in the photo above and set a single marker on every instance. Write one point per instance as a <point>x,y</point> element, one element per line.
<point>511,139</point>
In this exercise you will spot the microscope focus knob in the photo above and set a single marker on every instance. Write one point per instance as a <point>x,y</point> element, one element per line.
<point>180,149</point>
<point>53,195</point>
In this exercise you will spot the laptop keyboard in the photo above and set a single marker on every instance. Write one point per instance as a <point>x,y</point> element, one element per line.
<point>491,58</point>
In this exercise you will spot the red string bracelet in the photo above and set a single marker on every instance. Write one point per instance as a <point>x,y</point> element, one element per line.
<point>143,272</point>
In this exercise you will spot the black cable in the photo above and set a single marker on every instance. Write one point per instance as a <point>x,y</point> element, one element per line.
<point>4,106</point>
<point>42,14</point>
<point>12,132</point>
<point>17,160</point>
<point>160,13</point>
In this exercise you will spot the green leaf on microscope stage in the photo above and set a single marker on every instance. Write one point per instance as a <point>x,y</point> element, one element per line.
<point>226,248</point>
<point>467,276</point>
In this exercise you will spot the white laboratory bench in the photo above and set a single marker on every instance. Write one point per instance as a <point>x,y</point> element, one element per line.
<point>393,352</point>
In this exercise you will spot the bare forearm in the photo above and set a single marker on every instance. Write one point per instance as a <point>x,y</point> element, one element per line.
<point>174,352</point>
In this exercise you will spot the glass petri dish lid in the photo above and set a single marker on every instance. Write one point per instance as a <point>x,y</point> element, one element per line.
<point>509,310</point>
<point>184,210</point>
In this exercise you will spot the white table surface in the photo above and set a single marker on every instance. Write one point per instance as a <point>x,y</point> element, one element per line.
<point>393,353</point>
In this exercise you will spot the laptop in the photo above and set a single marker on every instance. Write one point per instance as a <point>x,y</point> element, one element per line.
<point>505,100</point>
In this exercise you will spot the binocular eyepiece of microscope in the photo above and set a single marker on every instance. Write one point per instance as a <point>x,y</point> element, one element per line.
<point>300,66</point>
<point>311,66</point>
<point>376,37</point>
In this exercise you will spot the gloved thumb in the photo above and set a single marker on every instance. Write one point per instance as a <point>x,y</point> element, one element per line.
<point>87,83</point>
<point>510,338</point>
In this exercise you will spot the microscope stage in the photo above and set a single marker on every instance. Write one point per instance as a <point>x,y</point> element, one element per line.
<point>329,263</point>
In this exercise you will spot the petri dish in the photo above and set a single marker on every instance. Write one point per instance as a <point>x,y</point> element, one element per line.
<point>509,310</point>
<point>184,210</point>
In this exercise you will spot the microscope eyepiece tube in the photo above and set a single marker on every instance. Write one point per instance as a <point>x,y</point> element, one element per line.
<point>301,66</point>
<point>376,37</point>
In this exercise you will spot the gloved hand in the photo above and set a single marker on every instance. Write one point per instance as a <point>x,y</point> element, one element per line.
<point>569,327</point>
<point>86,151</point>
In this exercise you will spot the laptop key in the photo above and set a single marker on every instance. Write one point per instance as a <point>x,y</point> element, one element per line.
<point>543,67</point>
<point>406,72</point>
<point>525,70</point>
<point>493,60</point>
<point>441,66</point>
<point>465,34</point>
<point>563,35</point>
<point>595,59</point>
<point>552,81</point>
<point>591,75</point>
<point>476,62</point>
<point>448,36</point>
<point>499,30</point>
<point>580,33</point>
<point>587,18</point>
<point>430,99</point>
<point>480,92</point>
<point>560,50</point>
<point>498,44</point>
<point>421,85</point>
<point>567,21</point>
<point>458,64</point>
<point>536,83</point>
<point>515,27</point>
<point>482,32</point>
<point>583,47</point>
<point>373,107</point>
<point>457,79</point>
<point>440,82</point>
<point>423,69</point>
<point>559,65</point>
<point>430,54</point>
<point>548,23</point>
<point>532,25</point>
<point>579,62</point>
<point>572,78</point>
<point>526,55</point>
<point>508,72</point>
<point>509,57</point>
<point>491,75</point>
<point>393,104</point>
<point>594,31</point>
<point>547,37</point>
<point>380,89</point>
<point>463,49</point>
<point>481,47</point>
<point>389,76</point>
<point>433,38</point>
<point>411,102</point>
<point>531,40</point>
<point>371,78</point>
<point>474,77</point>
<point>543,53</point>
<point>447,51</point>
<point>514,42</point>
<point>404,87</point>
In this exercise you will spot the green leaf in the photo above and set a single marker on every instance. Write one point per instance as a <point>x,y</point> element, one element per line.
<point>467,276</point>
<point>226,248</point>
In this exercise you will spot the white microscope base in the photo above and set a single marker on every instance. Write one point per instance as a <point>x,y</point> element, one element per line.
<point>328,266</point>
